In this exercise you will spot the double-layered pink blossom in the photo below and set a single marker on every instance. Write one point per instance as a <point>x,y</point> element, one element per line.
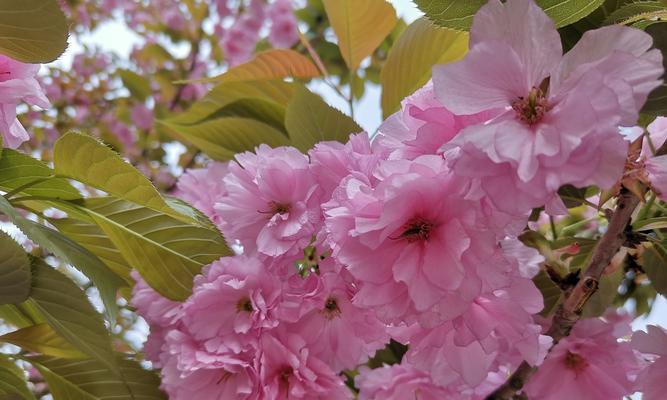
<point>17,83</point>
<point>272,202</point>
<point>653,343</point>
<point>203,187</point>
<point>591,364</point>
<point>560,113</point>
<point>400,382</point>
<point>284,31</point>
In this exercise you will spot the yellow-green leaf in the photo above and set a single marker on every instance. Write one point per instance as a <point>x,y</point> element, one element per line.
<point>222,138</point>
<point>653,260</point>
<point>14,271</point>
<point>91,380</point>
<point>67,310</point>
<point>360,26</point>
<point>270,64</point>
<point>167,252</point>
<point>408,67</point>
<point>42,339</point>
<point>139,86</point>
<point>13,381</point>
<point>310,120</point>
<point>32,31</point>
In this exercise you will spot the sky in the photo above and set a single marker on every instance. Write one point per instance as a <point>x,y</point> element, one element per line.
<point>116,37</point>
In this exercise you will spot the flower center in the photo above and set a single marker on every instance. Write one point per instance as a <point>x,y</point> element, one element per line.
<point>331,309</point>
<point>285,374</point>
<point>276,208</point>
<point>244,305</point>
<point>531,109</point>
<point>575,362</point>
<point>417,229</point>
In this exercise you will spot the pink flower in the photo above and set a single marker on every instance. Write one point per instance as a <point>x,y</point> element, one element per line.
<point>191,372</point>
<point>142,117</point>
<point>288,370</point>
<point>423,125</point>
<point>560,112</point>
<point>657,135</point>
<point>412,240</point>
<point>284,32</point>
<point>336,331</point>
<point>651,380</point>
<point>154,308</point>
<point>17,82</point>
<point>401,382</point>
<point>333,161</point>
<point>591,364</point>
<point>272,202</point>
<point>656,173</point>
<point>231,303</point>
<point>203,187</point>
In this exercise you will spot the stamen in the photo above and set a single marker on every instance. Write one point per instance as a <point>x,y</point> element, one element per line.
<point>331,309</point>
<point>276,208</point>
<point>531,109</point>
<point>575,362</point>
<point>417,229</point>
<point>244,304</point>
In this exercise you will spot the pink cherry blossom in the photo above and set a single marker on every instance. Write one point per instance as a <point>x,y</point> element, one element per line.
<point>284,31</point>
<point>657,135</point>
<point>272,201</point>
<point>400,382</point>
<point>203,187</point>
<point>288,369</point>
<point>152,306</point>
<point>412,240</point>
<point>591,364</point>
<point>336,331</point>
<point>652,343</point>
<point>17,82</point>
<point>142,117</point>
<point>423,125</point>
<point>231,303</point>
<point>560,111</point>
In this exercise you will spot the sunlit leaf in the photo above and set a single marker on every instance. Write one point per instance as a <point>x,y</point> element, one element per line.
<point>167,252</point>
<point>310,120</point>
<point>14,271</point>
<point>42,339</point>
<point>139,86</point>
<point>67,310</point>
<point>32,31</point>
<point>360,26</point>
<point>91,380</point>
<point>408,67</point>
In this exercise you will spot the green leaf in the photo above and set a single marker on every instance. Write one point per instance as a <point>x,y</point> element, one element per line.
<point>274,92</point>
<point>360,26</point>
<point>18,170</point>
<point>85,159</point>
<point>650,224</point>
<point>72,253</point>
<point>167,252</point>
<point>550,292</point>
<point>635,11</point>
<point>32,31</point>
<point>42,339</point>
<point>310,120</point>
<point>607,291</point>
<point>267,65</point>
<point>13,381</point>
<point>91,380</point>
<point>67,310</point>
<point>139,86</point>
<point>654,262</point>
<point>222,138</point>
<point>14,316</point>
<point>458,15</point>
<point>92,238</point>
<point>14,271</point>
<point>408,67</point>
<point>657,99</point>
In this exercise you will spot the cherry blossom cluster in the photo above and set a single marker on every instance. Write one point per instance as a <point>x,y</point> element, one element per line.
<point>412,236</point>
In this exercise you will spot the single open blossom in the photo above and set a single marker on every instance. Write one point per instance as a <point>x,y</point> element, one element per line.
<point>559,111</point>
<point>653,343</point>
<point>288,370</point>
<point>203,187</point>
<point>17,82</point>
<point>401,382</point>
<point>272,202</point>
<point>423,125</point>
<point>338,332</point>
<point>231,303</point>
<point>591,364</point>
<point>412,240</point>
